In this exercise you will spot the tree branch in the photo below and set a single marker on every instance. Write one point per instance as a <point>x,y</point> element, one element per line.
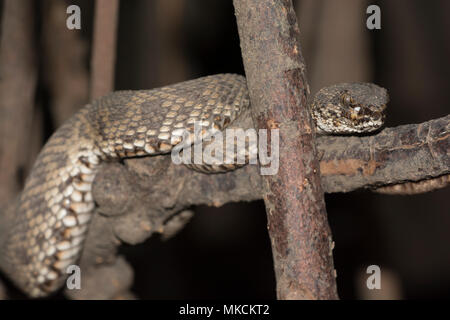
<point>18,75</point>
<point>104,47</point>
<point>138,198</point>
<point>294,199</point>
<point>66,75</point>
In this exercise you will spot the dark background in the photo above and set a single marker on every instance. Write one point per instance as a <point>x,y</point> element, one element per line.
<point>225,252</point>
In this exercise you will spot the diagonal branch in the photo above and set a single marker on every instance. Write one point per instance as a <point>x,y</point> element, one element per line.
<point>138,199</point>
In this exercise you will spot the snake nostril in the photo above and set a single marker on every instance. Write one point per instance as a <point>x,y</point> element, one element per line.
<point>379,116</point>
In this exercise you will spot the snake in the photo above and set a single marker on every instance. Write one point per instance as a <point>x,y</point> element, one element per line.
<point>46,228</point>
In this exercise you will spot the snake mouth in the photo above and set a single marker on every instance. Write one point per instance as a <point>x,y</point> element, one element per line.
<point>377,116</point>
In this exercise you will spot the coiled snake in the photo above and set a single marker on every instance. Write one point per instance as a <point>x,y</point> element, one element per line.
<point>50,220</point>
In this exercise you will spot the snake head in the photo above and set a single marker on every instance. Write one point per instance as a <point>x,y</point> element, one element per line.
<point>349,108</point>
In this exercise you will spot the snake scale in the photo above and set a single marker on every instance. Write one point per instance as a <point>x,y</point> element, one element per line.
<point>50,219</point>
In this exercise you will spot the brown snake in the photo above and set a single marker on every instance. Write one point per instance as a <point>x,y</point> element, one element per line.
<point>47,227</point>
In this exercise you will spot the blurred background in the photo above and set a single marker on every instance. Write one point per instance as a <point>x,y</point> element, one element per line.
<point>225,252</point>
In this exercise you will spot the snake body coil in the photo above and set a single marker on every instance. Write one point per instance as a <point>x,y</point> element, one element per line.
<point>46,231</point>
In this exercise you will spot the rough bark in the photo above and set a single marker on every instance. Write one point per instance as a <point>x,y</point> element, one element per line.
<point>138,198</point>
<point>294,199</point>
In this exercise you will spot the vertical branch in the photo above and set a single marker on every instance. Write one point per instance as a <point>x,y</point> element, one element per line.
<point>66,75</point>
<point>297,221</point>
<point>328,55</point>
<point>18,74</point>
<point>172,64</point>
<point>104,47</point>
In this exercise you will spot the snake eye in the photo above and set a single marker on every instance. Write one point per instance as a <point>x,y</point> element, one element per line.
<point>346,99</point>
<point>354,113</point>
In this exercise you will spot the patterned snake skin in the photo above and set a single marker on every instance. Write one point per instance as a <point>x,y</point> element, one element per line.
<point>51,218</point>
